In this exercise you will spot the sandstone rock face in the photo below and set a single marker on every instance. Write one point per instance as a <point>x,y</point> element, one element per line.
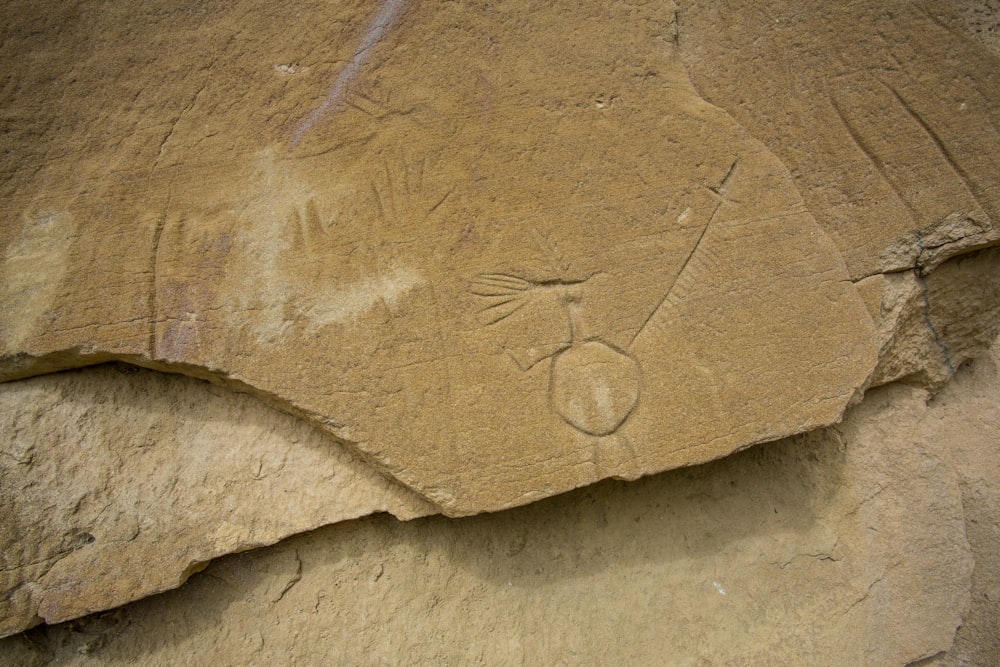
<point>981,18</point>
<point>884,113</point>
<point>493,251</point>
<point>120,485</point>
<point>848,546</point>
<point>416,227</point>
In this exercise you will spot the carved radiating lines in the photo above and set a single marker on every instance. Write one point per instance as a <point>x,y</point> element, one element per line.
<point>593,385</point>
<point>506,294</point>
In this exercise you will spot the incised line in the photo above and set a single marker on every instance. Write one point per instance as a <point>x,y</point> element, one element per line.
<point>387,14</point>
<point>720,192</point>
<point>974,190</point>
<point>875,160</point>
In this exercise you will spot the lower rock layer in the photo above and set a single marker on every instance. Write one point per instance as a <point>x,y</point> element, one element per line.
<point>117,483</point>
<point>846,546</point>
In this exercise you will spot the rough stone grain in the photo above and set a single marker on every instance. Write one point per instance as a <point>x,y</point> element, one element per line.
<point>929,325</point>
<point>117,483</point>
<point>972,444</point>
<point>842,547</point>
<point>982,19</point>
<point>414,224</point>
<point>885,113</point>
<point>498,251</point>
<point>93,456</point>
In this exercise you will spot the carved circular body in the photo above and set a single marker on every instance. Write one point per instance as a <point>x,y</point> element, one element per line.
<point>594,386</point>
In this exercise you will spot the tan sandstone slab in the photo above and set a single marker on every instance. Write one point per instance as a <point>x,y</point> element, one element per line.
<point>885,113</point>
<point>117,483</point>
<point>252,286</point>
<point>499,250</point>
<point>848,546</point>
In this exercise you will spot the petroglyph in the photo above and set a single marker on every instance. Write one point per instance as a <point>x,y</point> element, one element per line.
<point>465,269</point>
<point>593,385</point>
<point>387,15</point>
<point>506,294</point>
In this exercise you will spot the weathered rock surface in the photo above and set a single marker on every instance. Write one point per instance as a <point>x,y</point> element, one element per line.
<point>416,224</point>
<point>849,546</point>
<point>981,18</point>
<point>496,251</point>
<point>884,113</point>
<point>118,482</point>
<point>116,486</point>
<point>971,444</point>
<point>930,325</point>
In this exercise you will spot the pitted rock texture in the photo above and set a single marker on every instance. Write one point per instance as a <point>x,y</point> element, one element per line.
<point>495,251</point>
<point>404,220</point>
<point>981,18</point>
<point>869,543</point>
<point>117,483</point>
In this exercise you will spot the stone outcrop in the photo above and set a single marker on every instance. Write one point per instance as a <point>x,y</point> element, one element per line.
<point>479,254</point>
<point>473,221</point>
<point>118,483</point>
<point>867,543</point>
<point>884,114</point>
